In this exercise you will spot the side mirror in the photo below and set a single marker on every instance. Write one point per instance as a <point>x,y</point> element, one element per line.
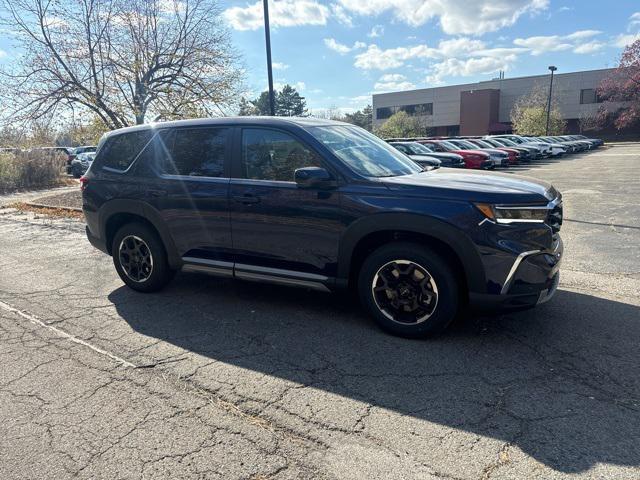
<point>314,177</point>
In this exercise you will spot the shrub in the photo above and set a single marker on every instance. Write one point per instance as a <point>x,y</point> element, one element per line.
<point>35,169</point>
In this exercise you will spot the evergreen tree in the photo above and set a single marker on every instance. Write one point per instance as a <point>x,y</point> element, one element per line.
<point>246,108</point>
<point>289,103</point>
<point>361,118</point>
<point>261,104</point>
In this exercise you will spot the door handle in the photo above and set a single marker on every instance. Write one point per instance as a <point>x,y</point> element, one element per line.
<point>246,199</point>
<point>157,192</point>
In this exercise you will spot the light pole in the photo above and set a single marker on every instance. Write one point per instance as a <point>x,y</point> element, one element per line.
<point>272,108</point>
<point>553,69</point>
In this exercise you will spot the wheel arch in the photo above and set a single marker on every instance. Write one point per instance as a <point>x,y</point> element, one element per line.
<point>369,233</point>
<point>116,213</point>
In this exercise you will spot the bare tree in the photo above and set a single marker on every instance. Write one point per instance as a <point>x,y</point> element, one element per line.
<point>121,60</point>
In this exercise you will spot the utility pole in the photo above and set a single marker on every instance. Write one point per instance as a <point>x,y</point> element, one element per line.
<point>272,103</point>
<point>553,69</point>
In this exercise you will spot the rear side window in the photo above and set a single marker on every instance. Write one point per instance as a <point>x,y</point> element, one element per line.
<point>122,150</point>
<point>273,155</point>
<point>194,152</point>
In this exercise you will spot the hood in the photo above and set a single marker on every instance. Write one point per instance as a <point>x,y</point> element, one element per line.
<point>475,186</point>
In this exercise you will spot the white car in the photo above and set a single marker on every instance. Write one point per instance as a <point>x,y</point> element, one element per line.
<point>556,148</point>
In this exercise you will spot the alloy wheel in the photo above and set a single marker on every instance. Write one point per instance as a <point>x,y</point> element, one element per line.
<point>135,258</point>
<point>405,292</point>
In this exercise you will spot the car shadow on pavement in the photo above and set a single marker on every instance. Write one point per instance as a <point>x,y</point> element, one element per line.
<point>561,382</point>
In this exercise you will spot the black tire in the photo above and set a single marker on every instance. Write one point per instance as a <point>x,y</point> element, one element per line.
<point>438,275</point>
<point>76,173</point>
<point>149,279</point>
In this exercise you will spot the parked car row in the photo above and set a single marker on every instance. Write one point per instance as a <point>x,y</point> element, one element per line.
<point>490,151</point>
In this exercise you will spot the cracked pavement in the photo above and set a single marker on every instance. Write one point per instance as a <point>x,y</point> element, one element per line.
<point>213,378</point>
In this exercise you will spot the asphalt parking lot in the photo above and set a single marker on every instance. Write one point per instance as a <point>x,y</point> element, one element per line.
<point>219,379</point>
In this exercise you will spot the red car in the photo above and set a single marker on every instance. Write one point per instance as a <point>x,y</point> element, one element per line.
<point>514,155</point>
<point>472,158</point>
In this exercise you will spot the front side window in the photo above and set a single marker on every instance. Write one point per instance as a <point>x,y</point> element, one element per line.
<point>193,152</point>
<point>274,155</point>
<point>121,150</point>
<point>363,152</point>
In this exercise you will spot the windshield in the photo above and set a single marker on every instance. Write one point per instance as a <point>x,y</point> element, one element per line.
<point>506,142</point>
<point>418,149</point>
<point>484,143</point>
<point>464,144</point>
<point>363,152</point>
<point>428,147</point>
<point>448,145</point>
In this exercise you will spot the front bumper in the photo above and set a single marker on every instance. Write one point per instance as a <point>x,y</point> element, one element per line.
<point>533,279</point>
<point>487,302</point>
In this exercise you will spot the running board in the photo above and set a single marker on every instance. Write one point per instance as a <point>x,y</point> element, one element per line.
<point>256,273</point>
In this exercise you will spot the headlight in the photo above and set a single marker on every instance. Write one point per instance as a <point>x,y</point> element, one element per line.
<point>514,214</point>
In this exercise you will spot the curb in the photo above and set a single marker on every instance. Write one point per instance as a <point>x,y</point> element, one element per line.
<point>41,205</point>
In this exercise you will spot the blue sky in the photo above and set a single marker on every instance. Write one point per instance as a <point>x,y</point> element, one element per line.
<point>339,52</point>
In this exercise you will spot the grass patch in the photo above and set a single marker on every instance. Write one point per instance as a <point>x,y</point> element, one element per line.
<point>31,170</point>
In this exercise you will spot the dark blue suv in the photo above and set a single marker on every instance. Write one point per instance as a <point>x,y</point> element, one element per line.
<point>323,205</point>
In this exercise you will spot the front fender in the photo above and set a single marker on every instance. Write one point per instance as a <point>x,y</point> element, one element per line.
<point>459,242</point>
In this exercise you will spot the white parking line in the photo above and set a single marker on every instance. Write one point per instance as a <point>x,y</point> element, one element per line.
<point>62,333</point>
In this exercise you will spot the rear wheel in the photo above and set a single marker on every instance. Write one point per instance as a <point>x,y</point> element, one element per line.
<point>140,258</point>
<point>408,289</point>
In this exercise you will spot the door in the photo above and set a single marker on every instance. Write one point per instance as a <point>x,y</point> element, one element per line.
<point>190,191</point>
<point>278,228</point>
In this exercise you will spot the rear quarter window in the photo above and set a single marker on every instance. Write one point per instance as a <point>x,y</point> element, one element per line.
<point>119,152</point>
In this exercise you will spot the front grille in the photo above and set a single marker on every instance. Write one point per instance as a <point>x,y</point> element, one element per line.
<point>554,218</point>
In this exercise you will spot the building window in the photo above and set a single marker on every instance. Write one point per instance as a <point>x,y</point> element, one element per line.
<point>384,112</point>
<point>416,110</point>
<point>419,109</point>
<point>453,130</point>
<point>589,95</point>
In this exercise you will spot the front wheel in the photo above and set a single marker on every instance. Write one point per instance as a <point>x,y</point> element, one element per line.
<point>408,289</point>
<point>140,258</point>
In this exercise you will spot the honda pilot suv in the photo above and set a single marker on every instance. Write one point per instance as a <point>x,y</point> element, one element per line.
<point>322,205</point>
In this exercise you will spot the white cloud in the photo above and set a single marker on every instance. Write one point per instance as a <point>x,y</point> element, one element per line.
<point>589,47</point>
<point>361,99</point>
<point>477,16</point>
<point>454,67</point>
<point>3,54</point>
<point>376,31</point>
<point>543,44</point>
<point>341,48</point>
<point>556,43</point>
<point>299,86</point>
<point>279,66</point>
<point>392,82</point>
<point>582,34</point>
<point>375,58</point>
<point>282,13</point>
<point>341,15</point>
<point>621,41</point>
